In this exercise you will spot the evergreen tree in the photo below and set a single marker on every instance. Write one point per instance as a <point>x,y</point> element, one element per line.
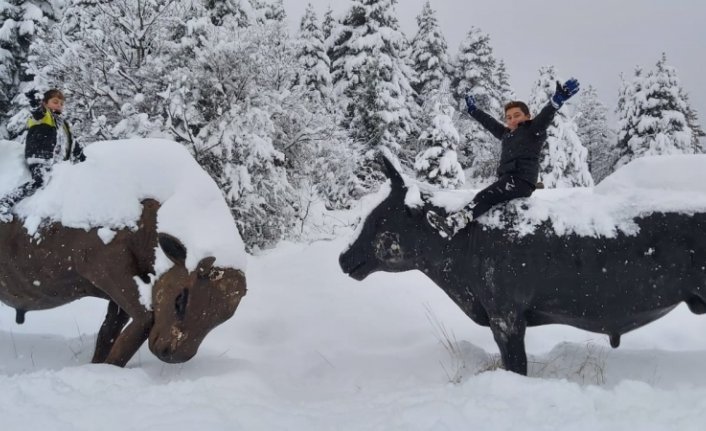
<point>626,112</point>
<point>239,10</point>
<point>252,175</point>
<point>563,162</point>
<point>371,79</point>
<point>274,10</point>
<point>20,23</point>
<point>653,116</point>
<point>428,55</point>
<point>502,78</point>
<point>475,73</point>
<point>315,76</point>
<point>269,146</point>
<point>594,133</point>
<point>328,24</point>
<point>692,120</point>
<point>229,113</point>
<point>438,162</point>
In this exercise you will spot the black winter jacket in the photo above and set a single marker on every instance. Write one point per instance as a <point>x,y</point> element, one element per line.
<point>521,148</point>
<point>42,138</point>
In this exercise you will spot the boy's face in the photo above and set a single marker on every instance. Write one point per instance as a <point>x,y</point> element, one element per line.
<point>514,117</point>
<point>55,104</point>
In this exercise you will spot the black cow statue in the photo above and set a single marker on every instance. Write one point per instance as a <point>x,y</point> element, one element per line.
<point>509,282</point>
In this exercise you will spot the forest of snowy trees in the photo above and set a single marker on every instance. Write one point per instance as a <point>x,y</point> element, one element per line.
<point>281,119</point>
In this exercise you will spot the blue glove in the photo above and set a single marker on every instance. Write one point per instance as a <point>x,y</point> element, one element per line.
<point>564,92</point>
<point>471,103</point>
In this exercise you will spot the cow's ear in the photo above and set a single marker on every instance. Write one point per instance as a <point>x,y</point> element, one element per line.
<point>173,248</point>
<point>391,171</point>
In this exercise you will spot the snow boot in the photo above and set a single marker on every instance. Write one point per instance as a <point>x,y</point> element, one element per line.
<point>5,211</point>
<point>447,227</point>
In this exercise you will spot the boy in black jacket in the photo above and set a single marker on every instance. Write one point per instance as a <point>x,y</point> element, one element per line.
<point>48,141</point>
<point>522,139</point>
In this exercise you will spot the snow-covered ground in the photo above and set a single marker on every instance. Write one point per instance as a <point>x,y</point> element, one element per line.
<point>311,349</point>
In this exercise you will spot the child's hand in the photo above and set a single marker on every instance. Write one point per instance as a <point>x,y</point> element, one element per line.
<point>564,92</point>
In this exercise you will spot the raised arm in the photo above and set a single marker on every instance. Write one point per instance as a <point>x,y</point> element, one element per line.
<point>561,95</point>
<point>490,124</point>
<point>542,121</point>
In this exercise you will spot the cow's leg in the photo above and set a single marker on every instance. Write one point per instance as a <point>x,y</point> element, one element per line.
<point>130,339</point>
<point>509,333</point>
<point>115,320</point>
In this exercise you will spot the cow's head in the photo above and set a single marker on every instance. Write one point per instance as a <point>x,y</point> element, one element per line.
<point>393,238</point>
<point>187,305</point>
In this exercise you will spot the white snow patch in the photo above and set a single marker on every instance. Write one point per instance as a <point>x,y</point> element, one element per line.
<point>106,234</point>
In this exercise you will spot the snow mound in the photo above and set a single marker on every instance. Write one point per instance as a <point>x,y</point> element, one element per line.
<point>681,173</point>
<point>13,172</point>
<point>105,192</point>
<point>654,184</point>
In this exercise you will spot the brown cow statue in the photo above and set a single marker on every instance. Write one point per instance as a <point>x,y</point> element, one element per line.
<point>61,264</point>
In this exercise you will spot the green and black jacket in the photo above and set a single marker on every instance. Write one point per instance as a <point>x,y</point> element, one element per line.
<point>42,138</point>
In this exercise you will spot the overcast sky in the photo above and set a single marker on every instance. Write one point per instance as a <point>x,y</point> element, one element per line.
<point>592,40</point>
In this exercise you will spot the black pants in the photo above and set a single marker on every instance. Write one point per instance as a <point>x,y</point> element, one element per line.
<point>508,187</point>
<point>38,171</point>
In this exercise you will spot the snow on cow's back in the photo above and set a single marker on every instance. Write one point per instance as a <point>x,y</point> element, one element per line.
<point>106,191</point>
<point>682,172</point>
<point>654,184</point>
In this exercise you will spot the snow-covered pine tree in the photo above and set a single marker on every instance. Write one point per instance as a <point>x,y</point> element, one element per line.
<point>315,76</point>
<point>563,162</point>
<point>328,23</point>
<point>267,145</point>
<point>268,10</point>
<point>281,62</point>
<point>653,117</point>
<point>226,112</point>
<point>239,10</point>
<point>692,119</point>
<point>371,79</point>
<point>438,162</point>
<point>504,88</point>
<point>274,10</point>
<point>428,56</point>
<point>475,73</point>
<point>320,159</point>
<point>626,111</point>
<point>252,175</point>
<point>594,133</point>
<point>20,23</point>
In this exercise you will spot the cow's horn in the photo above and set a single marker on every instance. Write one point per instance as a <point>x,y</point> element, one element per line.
<point>391,171</point>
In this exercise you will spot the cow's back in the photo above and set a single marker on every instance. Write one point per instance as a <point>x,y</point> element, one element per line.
<point>596,283</point>
<point>59,264</point>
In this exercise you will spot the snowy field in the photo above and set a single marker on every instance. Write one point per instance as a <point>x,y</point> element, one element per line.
<point>312,349</point>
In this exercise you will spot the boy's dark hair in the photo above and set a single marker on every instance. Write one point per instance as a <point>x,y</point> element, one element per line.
<point>53,93</point>
<point>517,104</point>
